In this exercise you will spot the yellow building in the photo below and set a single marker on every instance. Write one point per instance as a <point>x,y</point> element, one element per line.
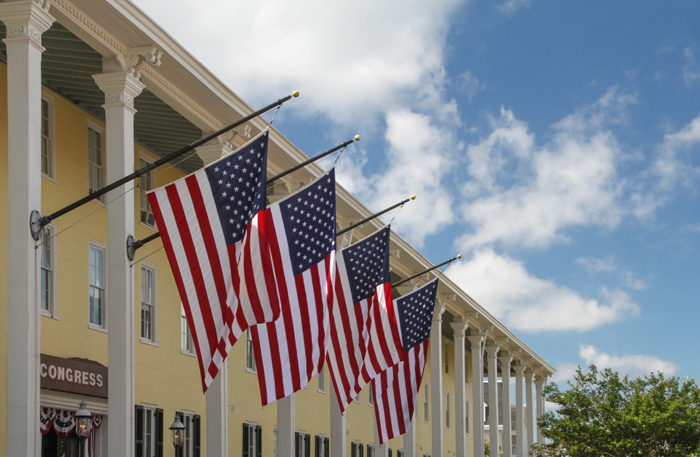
<point>91,90</point>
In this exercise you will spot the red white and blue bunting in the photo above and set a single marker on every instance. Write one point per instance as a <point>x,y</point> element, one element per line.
<point>62,421</point>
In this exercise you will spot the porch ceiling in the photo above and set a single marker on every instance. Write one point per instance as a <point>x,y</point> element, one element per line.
<point>67,67</point>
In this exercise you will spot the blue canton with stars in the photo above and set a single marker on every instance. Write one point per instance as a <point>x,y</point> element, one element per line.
<point>309,222</point>
<point>238,185</point>
<point>416,314</point>
<point>367,264</point>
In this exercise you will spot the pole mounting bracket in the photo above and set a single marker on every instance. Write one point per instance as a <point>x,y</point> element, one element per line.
<point>35,224</point>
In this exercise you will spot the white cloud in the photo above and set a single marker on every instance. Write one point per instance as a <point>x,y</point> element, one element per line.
<point>673,164</point>
<point>524,302</point>
<point>419,155</point>
<point>691,69</point>
<point>349,60</point>
<point>526,195</point>
<point>470,84</point>
<point>565,372</point>
<point>633,365</point>
<point>512,6</point>
<point>594,265</point>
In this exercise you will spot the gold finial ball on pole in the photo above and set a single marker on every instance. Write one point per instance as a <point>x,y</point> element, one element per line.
<point>295,94</point>
<point>413,197</point>
<point>357,138</point>
<point>459,256</point>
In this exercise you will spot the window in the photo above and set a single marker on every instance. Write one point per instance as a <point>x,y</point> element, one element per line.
<point>322,445</point>
<point>48,271</point>
<point>250,354</point>
<point>425,404</point>
<point>356,449</point>
<point>399,453</point>
<point>447,358</point>
<point>149,430</point>
<point>322,381</point>
<point>302,444</point>
<point>191,446</point>
<point>447,410</point>
<point>252,440</point>
<point>147,182</point>
<point>186,341</point>
<point>371,396</point>
<point>148,303</point>
<point>97,286</point>
<point>466,415</point>
<point>96,171</point>
<point>370,450</point>
<point>48,156</point>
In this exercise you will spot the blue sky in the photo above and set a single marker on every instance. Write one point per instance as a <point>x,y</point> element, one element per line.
<point>556,145</point>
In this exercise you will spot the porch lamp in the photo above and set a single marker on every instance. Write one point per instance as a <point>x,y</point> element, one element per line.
<point>83,421</point>
<point>178,432</point>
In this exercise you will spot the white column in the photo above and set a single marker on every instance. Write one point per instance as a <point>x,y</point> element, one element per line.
<point>217,394</point>
<point>338,429</point>
<point>436,382</point>
<point>491,352</point>
<point>477,394</point>
<point>505,360</point>
<point>120,89</point>
<point>460,328</point>
<point>529,412</point>
<point>520,438</point>
<point>379,450</point>
<point>409,439</point>
<point>540,382</point>
<point>25,21</point>
<point>285,426</point>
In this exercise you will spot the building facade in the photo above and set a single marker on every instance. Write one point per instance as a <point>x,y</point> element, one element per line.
<point>90,91</point>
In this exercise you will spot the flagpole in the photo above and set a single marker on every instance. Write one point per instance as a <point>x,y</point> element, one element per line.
<point>459,256</point>
<point>132,246</point>
<point>37,222</point>
<point>373,216</point>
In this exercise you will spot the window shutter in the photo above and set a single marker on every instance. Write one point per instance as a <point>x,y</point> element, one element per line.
<point>361,450</point>
<point>307,441</point>
<point>139,431</point>
<point>297,444</point>
<point>390,452</point>
<point>317,442</point>
<point>159,432</point>
<point>197,435</point>
<point>258,437</point>
<point>246,444</point>
<point>326,445</point>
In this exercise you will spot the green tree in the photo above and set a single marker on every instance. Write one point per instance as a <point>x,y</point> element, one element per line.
<point>602,414</point>
<point>487,449</point>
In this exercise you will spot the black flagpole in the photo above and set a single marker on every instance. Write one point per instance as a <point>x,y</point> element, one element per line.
<point>357,224</point>
<point>37,222</point>
<point>459,256</point>
<point>132,246</point>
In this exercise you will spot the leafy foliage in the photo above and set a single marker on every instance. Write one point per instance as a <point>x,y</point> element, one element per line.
<point>604,415</point>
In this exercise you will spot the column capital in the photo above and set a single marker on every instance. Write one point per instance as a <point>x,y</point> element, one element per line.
<point>529,375</point>
<point>212,152</point>
<point>505,358</point>
<point>120,89</point>
<point>519,369</point>
<point>492,349</point>
<point>475,339</point>
<point>460,327</point>
<point>439,311</point>
<point>26,20</point>
<point>540,380</point>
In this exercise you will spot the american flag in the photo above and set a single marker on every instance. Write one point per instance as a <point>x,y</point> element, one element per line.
<point>299,232</point>
<point>396,389</point>
<point>364,331</point>
<point>202,219</point>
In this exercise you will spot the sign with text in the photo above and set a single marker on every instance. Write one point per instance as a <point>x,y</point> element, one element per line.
<point>80,376</point>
